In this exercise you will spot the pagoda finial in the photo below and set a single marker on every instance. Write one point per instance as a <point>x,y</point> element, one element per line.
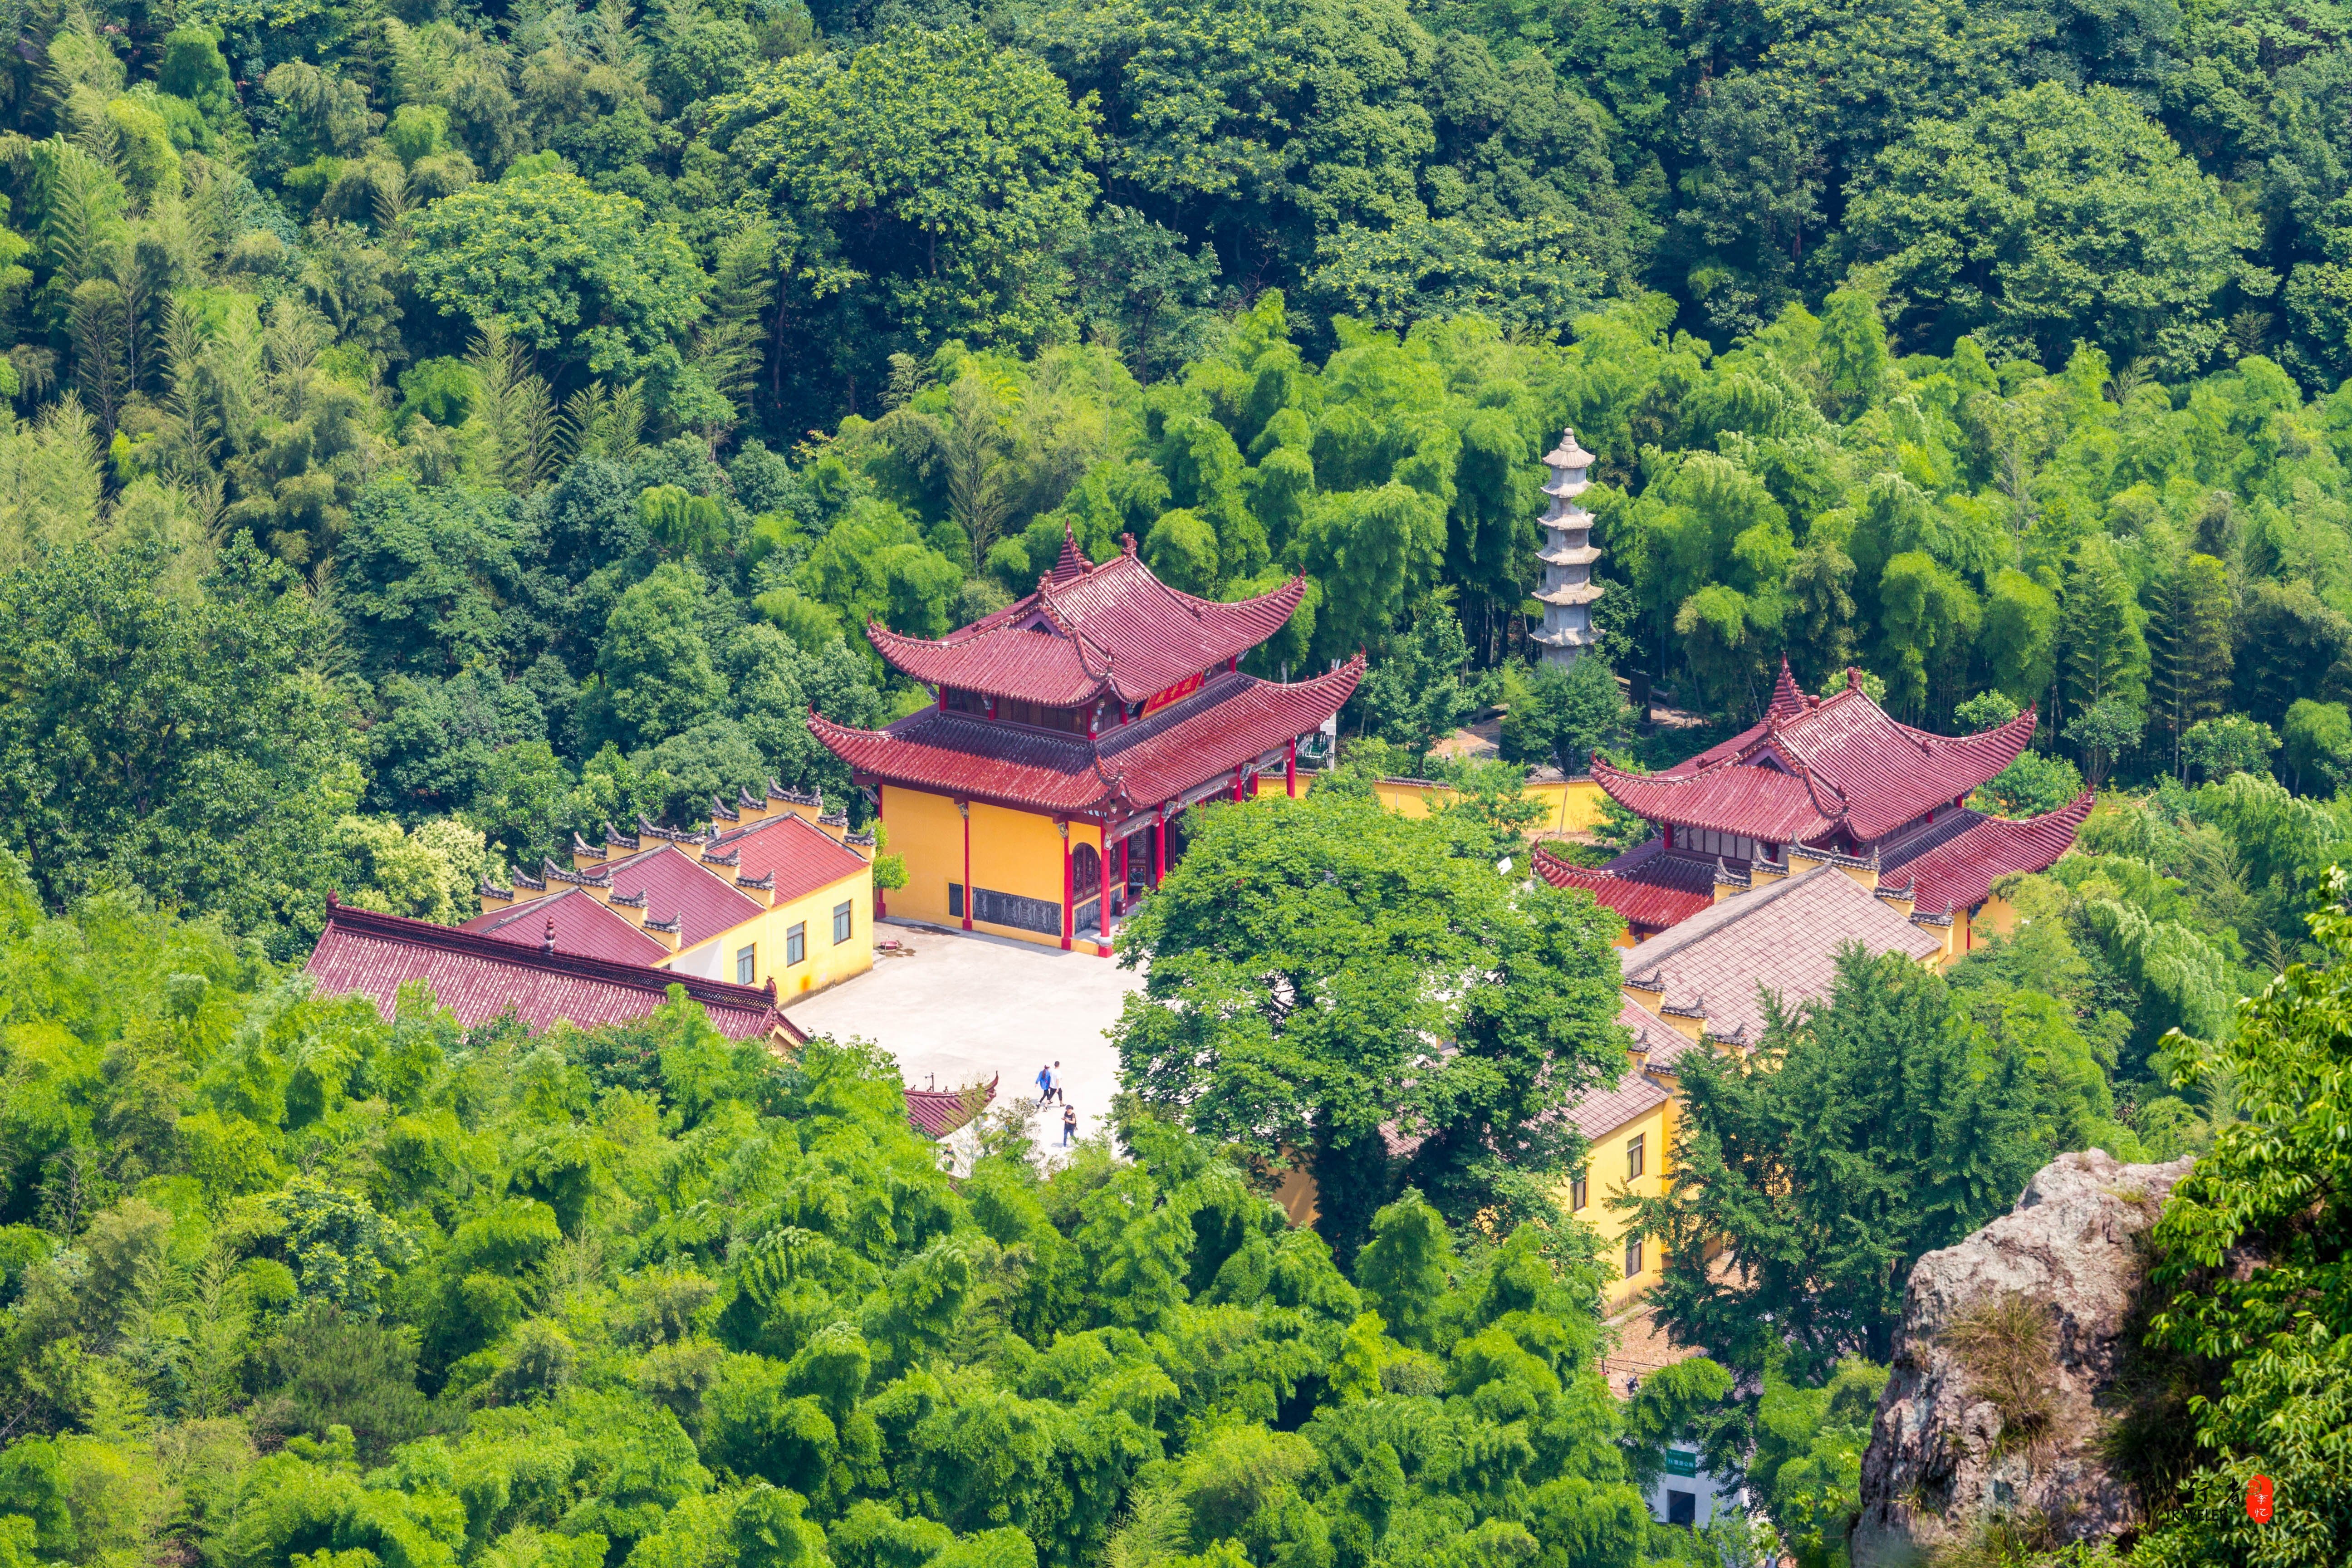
<point>1852,678</point>
<point>547,938</point>
<point>1788,698</point>
<point>1073,561</point>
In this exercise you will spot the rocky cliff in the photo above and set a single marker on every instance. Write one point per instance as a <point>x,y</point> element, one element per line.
<point>2005,1372</point>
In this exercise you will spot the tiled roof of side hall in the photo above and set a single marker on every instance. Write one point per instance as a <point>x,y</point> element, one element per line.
<point>800,855</point>
<point>1091,629</point>
<point>1231,720</point>
<point>1953,865</point>
<point>1652,889</point>
<point>676,886</point>
<point>1745,799</point>
<point>1784,938</point>
<point>479,977</point>
<point>582,927</point>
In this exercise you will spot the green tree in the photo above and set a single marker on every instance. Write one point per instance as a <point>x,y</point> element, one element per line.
<point>935,180</point>
<point>654,674</point>
<point>1877,1137</point>
<point>2232,743</point>
<point>1292,962</point>
<point>2272,1186</point>
<point>565,267</point>
<point>2318,745</point>
<point>1424,692</point>
<point>183,742</point>
<point>2102,654</point>
<point>2084,223</point>
<point>1565,715</point>
<point>2191,648</point>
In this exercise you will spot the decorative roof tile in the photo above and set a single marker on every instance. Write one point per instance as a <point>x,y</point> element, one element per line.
<point>1230,721</point>
<point>1754,801</point>
<point>480,977</point>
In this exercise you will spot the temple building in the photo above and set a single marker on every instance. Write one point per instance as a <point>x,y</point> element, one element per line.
<point>1045,786</point>
<point>1567,590</point>
<point>1827,780</point>
<point>776,890</point>
<point>1702,984</point>
<point>480,977</point>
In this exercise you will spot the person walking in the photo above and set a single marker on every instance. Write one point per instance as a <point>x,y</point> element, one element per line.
<point>1069,1123</point>
<point>1060,1089</point>
<point>1045,1086</point>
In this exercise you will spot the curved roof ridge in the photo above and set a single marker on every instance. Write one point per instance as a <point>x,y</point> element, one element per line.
<point>1070,628</point>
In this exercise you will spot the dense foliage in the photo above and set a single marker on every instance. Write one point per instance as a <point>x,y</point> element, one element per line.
<point>283,1282</point>
<point>1304,956</point>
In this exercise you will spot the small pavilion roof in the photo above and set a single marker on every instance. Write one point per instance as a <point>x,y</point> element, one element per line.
<point>1953,864</point>
<point>1840,757</point>
<point>1783,938</point>
<point>1652,889</point>
<point>1090,630</point>
<point>582,927</point>
<point>1128,767</point>
<point>936,1113</point>
<point>479,977</point>
<point>799,854</point>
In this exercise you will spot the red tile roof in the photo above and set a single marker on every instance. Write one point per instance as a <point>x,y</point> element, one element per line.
<point>1838,764</point>
<point>1757,801</point>
<point>1782,938</point>
<point>936,1113</point>
<point>1088,630</point>
<point>479,977</point>
<point>583,928</point>
<point>1129,767</point>
<point>1788,699</point>
<point>802,856</point>
<point>1651,888</point>
<point>677,886</point>
<point>1953,865</point>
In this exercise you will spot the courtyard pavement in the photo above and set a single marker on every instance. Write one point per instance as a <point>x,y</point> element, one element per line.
<point>963,1009</point>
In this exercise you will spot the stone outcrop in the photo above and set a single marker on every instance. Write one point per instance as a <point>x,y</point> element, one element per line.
<point>2005,1369</point>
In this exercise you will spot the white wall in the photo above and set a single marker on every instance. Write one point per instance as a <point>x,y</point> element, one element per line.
<point>1707,1496</point>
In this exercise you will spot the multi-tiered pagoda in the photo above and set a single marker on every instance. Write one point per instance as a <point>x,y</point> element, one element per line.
<point>1568,591</point>
<point>1827,779</point>
<point>1043,787</point>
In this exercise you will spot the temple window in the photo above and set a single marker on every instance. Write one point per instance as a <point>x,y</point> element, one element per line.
<point>1578,1190</point>
<point>745,966</point>
<point>796,943</point>
<point>840,924</point>
<point>1633,1257</point>
<point>1633,1157</point>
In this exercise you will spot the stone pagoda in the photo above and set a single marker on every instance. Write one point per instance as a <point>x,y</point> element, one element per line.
<point>1567,590</point>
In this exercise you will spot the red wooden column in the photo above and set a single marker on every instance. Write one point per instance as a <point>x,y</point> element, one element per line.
<point>1067,913</point>
<point>1102,913</point>
<point>963,809</point>
<point>1238,779</point>
<point>1159,849</point>
<point>1290,769</point>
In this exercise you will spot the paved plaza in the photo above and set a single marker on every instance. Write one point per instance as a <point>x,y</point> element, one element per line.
<point>963,1009</point>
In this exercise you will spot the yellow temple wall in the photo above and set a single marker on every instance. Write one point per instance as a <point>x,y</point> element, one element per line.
<point>1570,806</point>
<point>826,962</point>
<point>1655,1128</point>
<point>1017,852</point>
